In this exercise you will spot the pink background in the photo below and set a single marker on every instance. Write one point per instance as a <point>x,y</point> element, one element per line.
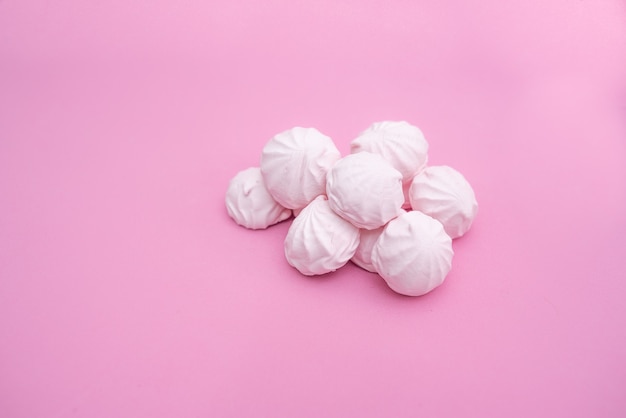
<point>126,291</point>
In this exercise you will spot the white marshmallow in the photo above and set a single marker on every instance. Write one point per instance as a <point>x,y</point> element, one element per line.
<point>363,255</point>
<point>250,204</point>
<point>294,164</point>
<point>443,193</point>
<point>320,241</point>
<point>365,189</point>
<point>413,254</point>
<point>400,143</point>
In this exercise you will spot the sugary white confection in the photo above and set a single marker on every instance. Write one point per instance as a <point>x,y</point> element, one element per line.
<point>443,193</point>
<point>363,255</point>
<point>294,164</point>
<point>319,241</point>
<point>413,254</point>
<point>250,204</point>
<point>365,189</point>
<point>400,143</point>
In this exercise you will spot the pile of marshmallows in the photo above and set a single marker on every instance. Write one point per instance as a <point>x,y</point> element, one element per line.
<point>381,206</point>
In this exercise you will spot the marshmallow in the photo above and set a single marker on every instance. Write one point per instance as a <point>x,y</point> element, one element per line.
<point>365,189</point>
<point>413,254</point>
<point>443,193</point>
<point>294,164</point>
<point>319,241</point>
<point>250,204</point>
<point>400,143</point>
<point>363,255</point>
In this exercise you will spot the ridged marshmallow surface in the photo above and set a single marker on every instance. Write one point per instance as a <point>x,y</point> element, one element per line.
<point>320,241</point>
<point>413,254</point>
<point>363,255</point>
<point>443,193</point>
<point>250,204</point>
<point>294,164</point>
<point>400,143</point>
<point>365,189</point>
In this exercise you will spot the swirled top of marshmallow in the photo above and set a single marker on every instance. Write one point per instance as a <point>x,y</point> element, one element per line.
<point>249,203</point>
<point>365,189</point>
<point>294,164</point>
<point>320,241</point>
<point>413,254</point>
<point>443,193</point>
<point>400,143</point>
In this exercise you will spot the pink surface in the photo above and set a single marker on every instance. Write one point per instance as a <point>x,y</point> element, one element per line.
<point>126,291</point>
